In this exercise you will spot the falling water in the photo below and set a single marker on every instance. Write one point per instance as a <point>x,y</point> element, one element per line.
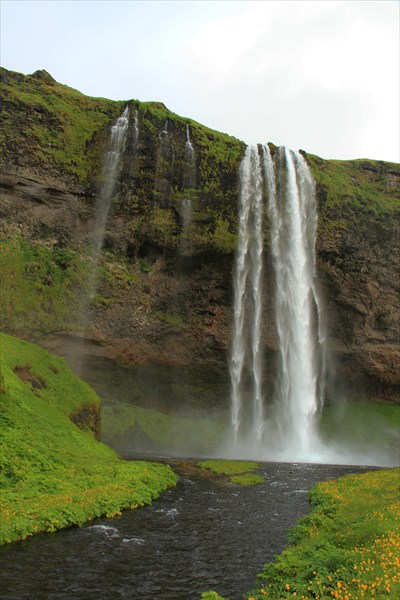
<point>189,180</point>
<point>166,149</point>
<point>108,181</point>
<point>292,208</point>
<point>291,422</point>
<point>136,130</point>
<point>110,170</point>
<point>186,213</point>
<point>245,361</point>
<point>165,164</point>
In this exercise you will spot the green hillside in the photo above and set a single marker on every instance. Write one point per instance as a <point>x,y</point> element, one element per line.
<point>54,473</point>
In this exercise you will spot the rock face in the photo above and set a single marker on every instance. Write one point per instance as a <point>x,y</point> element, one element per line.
<point>164,283</point>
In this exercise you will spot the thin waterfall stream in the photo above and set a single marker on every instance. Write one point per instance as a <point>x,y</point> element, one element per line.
<point>108,181</point>
<point>109,175</point>
<point>189,183</point>
<point>189,180</point>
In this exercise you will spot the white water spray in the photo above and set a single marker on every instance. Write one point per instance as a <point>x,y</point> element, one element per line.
<point>292,208</point>
<point>245,361</point>
<point>300,329</point>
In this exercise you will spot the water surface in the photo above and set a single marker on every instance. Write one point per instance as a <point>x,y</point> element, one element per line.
<point>204,534</point>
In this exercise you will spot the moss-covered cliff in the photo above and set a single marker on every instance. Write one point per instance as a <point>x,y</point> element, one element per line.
<point>358,250</point>
<point>164,293</point>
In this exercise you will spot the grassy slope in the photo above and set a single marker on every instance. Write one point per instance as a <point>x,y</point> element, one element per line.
<point>356,193</point>
<point>53,474</point>
<point>50,123</point>
<point>347,547</point>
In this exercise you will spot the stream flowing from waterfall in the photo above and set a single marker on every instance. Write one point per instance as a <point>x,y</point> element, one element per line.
<point>288,428</point>
<point>204,534</point>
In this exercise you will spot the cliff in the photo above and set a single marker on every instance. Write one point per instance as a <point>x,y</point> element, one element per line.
<point>164,284</point>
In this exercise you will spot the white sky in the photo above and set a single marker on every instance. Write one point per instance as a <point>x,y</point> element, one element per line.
<point>319,75</point>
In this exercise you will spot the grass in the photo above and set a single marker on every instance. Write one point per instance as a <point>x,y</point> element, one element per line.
<point>54,474</point>
<point>347,548</point>
<point>240,472</point>
<point>122,422</point>
<point>41,288</point>
<point>58,122</point>
<point>355,193</point>
<point>364,428</point>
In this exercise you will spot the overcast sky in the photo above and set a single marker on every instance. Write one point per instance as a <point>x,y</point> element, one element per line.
<point>321,75</point>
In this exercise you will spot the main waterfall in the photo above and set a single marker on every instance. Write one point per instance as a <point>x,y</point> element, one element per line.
<point>299,323</point>
<point>285,423</point>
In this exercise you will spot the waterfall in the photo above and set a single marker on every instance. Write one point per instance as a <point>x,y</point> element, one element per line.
<point>165,164</point>
<point>136,130</point>
<point>186,213</point>
<point>189,178</point>
<point>300,328</point>
<point>245,360</point>
<point>293,215</point>
<point>108,181</point>
<point>166,149</point>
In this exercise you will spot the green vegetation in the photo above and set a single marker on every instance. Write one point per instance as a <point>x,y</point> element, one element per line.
<point>124,424</point>
<point>348,547</point>
<point>354,193</point>
<point>56,123</point>
<point>58,130</point>
<point>41,288</point>
<point>247,479</point>
<point>240,472</point>
<point>174,320</point>
<point>229,467</point>
<point>54,474</point>
<point>367,427</point>
<point>163,229</point>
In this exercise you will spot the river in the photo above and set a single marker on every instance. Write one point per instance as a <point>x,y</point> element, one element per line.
<point>204,534</point>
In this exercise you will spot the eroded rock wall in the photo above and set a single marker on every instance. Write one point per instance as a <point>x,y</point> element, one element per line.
<point>164,286</point>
